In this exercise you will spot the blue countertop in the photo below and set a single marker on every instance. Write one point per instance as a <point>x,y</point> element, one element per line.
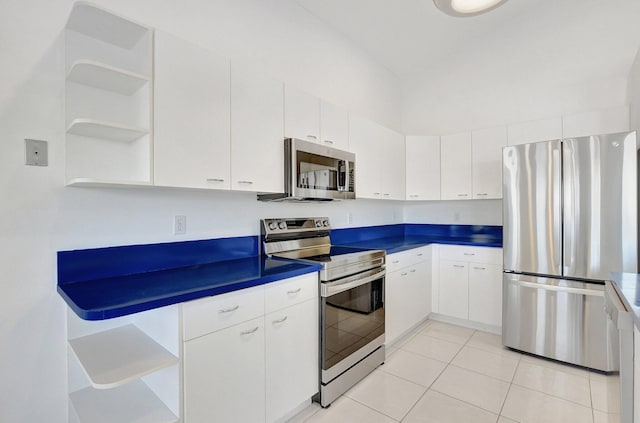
<point>103,283</point>
<point>628,286</point>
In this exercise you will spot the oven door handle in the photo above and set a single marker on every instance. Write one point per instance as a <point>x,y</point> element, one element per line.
<point>332,288</point>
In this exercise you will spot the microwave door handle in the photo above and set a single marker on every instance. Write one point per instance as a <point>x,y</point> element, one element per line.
<point>344,187</point>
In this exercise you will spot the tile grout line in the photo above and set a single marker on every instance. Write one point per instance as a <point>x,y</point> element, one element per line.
<point>509,390</point>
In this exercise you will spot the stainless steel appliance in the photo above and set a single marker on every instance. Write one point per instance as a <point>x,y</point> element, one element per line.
<point>352,283</point>
<point>314,172</point>
<point>570,218</point>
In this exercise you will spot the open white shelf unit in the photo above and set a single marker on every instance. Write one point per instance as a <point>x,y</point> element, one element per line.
<point>117,356</point>
<point>133,402</point>
<point>107,183</point>
<point>106,77</point>
<point>108,97</point>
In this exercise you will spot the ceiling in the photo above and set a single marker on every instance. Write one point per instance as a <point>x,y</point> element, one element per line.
<point>585,39</point>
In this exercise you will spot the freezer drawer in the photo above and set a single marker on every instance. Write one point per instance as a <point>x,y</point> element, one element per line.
<point>560,319</point>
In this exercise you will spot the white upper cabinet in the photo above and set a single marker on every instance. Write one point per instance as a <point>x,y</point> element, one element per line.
<point>257,132</point>
<point>486,157</point>
<point>191,116</point>
<point>423,167</point>
<point>594,123</point>
<point>301,115</point>
<point>455,153</point>
<point>534,131</point>
<point>334,126</point>
<point>380,159</point>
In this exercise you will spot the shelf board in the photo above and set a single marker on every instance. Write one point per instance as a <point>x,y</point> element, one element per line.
<point>133,402</point>
<point>117,356</point>
<point>106,77</point>
<point>103,25</point>
<point>107,183</point>
<point>96,128</point>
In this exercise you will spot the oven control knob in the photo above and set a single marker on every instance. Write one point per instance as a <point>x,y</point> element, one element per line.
<point>282,225</point>
<point>325,222</point>
<point>273,226</point>
<point>318,223</point>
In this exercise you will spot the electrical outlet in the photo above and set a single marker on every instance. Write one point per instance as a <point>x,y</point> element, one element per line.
<point>180,225</point>
<point>35,153</point>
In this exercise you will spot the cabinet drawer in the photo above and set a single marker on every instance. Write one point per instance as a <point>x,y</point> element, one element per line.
<point>471,254</point>
<point>292,291</point>
<point>210,314</point>
<point>408,258</point>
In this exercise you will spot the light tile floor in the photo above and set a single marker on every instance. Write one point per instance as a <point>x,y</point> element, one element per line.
<point>441,373</point>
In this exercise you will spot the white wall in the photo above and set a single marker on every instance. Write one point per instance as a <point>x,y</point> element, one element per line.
<point>633,94</point>
<point>38,216</point>
<point>474,212</point>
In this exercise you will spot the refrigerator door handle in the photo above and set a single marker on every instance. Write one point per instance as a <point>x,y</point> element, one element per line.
<point>567,289</point>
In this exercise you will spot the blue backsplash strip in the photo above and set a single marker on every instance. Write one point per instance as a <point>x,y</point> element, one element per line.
<point>480,234</point>
<point>366,233</point>
<point>101,263</point>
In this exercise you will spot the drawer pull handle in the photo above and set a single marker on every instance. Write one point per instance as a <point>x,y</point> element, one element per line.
<point>328,142</point>
<point>376,193</point>
<point>403,274</point>
<point>469,254</point>
<point>463,195</point>
<point>250,331</point>
<point>395,261</point>
<point>458,266</point>
<point>229,310</point>
<point>480,268</point>
<point>312,137</point>
<point>280,320</point>
<point>295,291</point>
<point>413,270</point>
<point>245,182</point>
<point>413,196</point>
<point>419,254</point>
<point>215,180</point>
<point>386,195</point>
<point>482,193</point>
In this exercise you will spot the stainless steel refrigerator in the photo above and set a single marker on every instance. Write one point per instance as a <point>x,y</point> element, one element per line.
<point>570,213</point>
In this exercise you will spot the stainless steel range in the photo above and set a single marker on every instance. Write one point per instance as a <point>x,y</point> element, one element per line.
<point>351,299</point>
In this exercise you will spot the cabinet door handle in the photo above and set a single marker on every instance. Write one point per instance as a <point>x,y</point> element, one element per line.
<point>469,254</point>
<point>412,270</point>
<point>376,193</point>
<point>312,137</point>
<point>386,195</point>
<point>403,274</point>
<point>458,266</point>
<point>294,291</point>
<point>483,194</point>
<point>215,180</point>
<point>328,142</point>
<point>229,310</point>
<point>463,195</point>
<point>245,182</point>
<point>419,254</point>
<point>413,196</point>
<point>250,331</point>
<point>280,320</point>
<point>480,268</point>
<point>395,261</point>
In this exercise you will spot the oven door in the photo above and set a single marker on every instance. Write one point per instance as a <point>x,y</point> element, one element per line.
<point>352,320</point>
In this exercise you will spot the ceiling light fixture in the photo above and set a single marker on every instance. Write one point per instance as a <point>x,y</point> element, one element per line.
<point>466,8</point>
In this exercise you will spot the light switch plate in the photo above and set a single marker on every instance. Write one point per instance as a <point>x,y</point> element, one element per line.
<point>36,153</point>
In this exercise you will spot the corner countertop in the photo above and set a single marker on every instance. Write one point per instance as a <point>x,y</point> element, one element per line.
<point>103,283</point>
<point>628,287</point>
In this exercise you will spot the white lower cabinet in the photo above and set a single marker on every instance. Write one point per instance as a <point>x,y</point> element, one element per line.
<point>469,286</point>
<point>454,289</point>
<point>224,375</point>
<point>407,291</point>
<point>291,357</point>
<point>485,293</point>
<point>260,369</point>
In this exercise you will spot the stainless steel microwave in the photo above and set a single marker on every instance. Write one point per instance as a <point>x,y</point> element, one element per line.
<point>314,172</point>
